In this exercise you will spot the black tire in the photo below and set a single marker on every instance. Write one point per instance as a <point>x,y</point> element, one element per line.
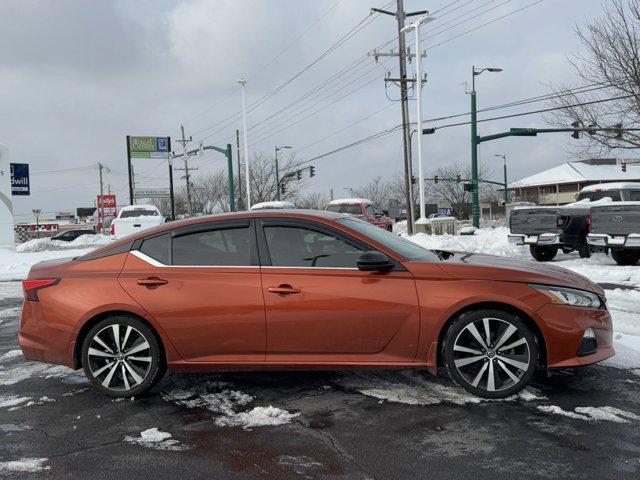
<point>625,256</point>
<point>584,250</point>
<point>543,253</point>
<point>492,359</point>
<point>125,368</point>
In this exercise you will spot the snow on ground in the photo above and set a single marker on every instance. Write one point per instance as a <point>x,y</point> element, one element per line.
<point>84,241</point>
<point>29,465</point>
<point>154,438</point>
<point>257,417</point>
<point>609,414</point>
<point>11,354</point>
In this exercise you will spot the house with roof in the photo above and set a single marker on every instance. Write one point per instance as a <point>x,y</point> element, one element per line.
<point>560,185</point>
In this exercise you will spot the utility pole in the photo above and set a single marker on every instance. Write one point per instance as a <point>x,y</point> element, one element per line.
<point>184,142</point>
<point>400,17</point>
<point>100,167</point>
<point>239,171</point>
<point>243,83</point>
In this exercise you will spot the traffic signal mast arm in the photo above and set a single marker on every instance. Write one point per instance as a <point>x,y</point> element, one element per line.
<point>532,132</point>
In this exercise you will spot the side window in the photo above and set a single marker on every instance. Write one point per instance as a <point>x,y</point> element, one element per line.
<point>369,210</point>
<point>634,195</point>
<point>302,247</point>
<point>157,248</point>
<point>224,247</point>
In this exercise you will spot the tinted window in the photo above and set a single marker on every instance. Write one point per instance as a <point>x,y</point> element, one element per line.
<point>227,247</point>
<point>369,210</point>
<point>138,213</point>
<point>301,247</point>
<point>350,209</point>
<point>157,248</point>
<point>613,194</point>
<point>406,248</point>
<point>634,195</point>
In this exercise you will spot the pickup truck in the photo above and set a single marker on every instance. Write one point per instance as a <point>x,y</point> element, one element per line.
<point>549,229</point>
<point>616,226</point>
<point>134,218</point>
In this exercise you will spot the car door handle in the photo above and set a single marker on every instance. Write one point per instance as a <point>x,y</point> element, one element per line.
<point>284,290</point>
<point>152,282</point>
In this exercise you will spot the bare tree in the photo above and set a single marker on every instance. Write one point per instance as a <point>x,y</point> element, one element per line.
<point>397,190</point>
<point>263,178</point>
<point>610,66</point>
<point>377,190</point>
<point>312,200</point>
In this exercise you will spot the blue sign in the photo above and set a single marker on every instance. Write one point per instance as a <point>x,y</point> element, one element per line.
<point>20,179</point>
<point>163,144</point>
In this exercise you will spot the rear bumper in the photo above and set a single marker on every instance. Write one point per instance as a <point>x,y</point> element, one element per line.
<point>604,240</point>
<point>42,341</point>
<point>542,239</point>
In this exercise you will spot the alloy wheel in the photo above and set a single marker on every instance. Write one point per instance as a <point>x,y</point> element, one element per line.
<point>491,354</point>
<point>120,357</point>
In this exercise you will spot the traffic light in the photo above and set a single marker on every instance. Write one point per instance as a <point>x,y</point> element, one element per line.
<point>299,174</point>
<point>435,179</point>
<point>576,124</point>
<point>623,165</point>
<point>312,171</point>
<point>414,180</point>
<point>618,131</point>
<point>458,178</point>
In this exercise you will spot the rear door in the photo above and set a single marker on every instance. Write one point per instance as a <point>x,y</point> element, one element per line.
<point>201,283</point>
<point>321,308</point>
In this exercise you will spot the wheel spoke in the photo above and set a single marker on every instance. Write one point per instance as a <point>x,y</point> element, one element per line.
<point>508,372</point>
<point>108,378</point>
<point>460,348</point>
<point>474,331</point>
<point>102,369</point>
<point>478,377</point>
<point>138,348</point>
<point>506,335</point>
<point>98,353</point>
<point>99,341</point>
<point>115,330</point>
<point>466,361</point>
<point>515,344</point>
<point>140,359</point>
<point>491,381</point>
<point>133,373</point>
<point>124,377</point>
<point>487,330</point>
<point>515,363</point>
<point>126,337</point>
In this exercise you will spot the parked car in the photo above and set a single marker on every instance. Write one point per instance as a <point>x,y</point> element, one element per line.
<point>548,229</point>
<point>71,235</point>
<point>267,290</point>
<point>362,208</point>
<point>616,226</point>
<point>277,205</point>
<point>135,218</point>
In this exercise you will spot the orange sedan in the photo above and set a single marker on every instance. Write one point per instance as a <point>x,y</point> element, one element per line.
<point>306,290</point>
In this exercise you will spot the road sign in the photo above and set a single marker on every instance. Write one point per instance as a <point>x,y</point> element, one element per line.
<point>151,193</point>
<point>20,179</point>
<point>149,147</point>
<point>106,203</point>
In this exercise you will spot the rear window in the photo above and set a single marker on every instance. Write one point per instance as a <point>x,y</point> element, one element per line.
<point>138,213</point>
<point>350,209</point>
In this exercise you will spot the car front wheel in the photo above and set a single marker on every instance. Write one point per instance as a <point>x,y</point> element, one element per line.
<point>625,257</point>
<point>543,253</point>
<point>490,353</point>
<point>122,357</point>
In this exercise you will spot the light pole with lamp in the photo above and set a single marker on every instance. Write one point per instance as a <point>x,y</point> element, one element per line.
<point>243,83</point>
<point>278,172</point>
<point>506,193</point>
<point>475,197</point>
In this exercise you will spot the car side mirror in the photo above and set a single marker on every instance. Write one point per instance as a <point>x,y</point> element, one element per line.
<point>373,260</point>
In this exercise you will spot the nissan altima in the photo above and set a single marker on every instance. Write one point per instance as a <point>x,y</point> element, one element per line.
<point>277,290</point>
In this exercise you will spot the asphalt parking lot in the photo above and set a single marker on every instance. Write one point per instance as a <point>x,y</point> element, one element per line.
<point>363,425</point>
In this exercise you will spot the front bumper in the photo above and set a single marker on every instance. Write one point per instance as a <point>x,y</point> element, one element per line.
<point>604,240</point>
<point>542,239</point>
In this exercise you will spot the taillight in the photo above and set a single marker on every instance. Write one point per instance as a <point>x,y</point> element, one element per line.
<point>31,287</point>
<point>112,229</point>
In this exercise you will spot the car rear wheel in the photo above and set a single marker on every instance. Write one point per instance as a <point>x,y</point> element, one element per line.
<point>121,357</point>
<point>490,353</point>
<point>625,256</point>
<point>544,253</point>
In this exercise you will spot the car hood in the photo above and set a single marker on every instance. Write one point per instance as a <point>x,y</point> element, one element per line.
<point>490,267</point>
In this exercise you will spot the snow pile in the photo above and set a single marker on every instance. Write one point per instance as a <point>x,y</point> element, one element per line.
<point>30,465</point>
<point>609,414</point>
<point>258,417</point>
<point>11,354</point>
<point>154,438</point>
<point>15,266</point>
<point>12,401</point>
<point>45,244</point>
<point>624,306</point>
<point>27,370</point>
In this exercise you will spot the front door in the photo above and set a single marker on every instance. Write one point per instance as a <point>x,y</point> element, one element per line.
<point>201,283</point>
<point>321,308</point>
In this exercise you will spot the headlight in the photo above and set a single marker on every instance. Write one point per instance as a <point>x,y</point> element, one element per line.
<point>569,296</point>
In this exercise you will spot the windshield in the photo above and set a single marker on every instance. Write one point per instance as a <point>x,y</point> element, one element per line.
<point>344,208</point>
<point>402,246</point>
<point>138,213</point>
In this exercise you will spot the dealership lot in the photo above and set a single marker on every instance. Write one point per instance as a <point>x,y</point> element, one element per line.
<point>576,424</point>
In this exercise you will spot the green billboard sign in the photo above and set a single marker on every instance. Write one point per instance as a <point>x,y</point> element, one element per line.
<point>149,147</point>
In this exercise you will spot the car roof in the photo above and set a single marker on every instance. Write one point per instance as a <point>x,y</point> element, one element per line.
<point>350,201</point>
<point>610,186</point>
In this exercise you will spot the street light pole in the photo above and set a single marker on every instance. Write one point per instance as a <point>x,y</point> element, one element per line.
<point>278,173</point>
<point>243,82</point>
<point>506,194</point>
<point>475,195</point>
